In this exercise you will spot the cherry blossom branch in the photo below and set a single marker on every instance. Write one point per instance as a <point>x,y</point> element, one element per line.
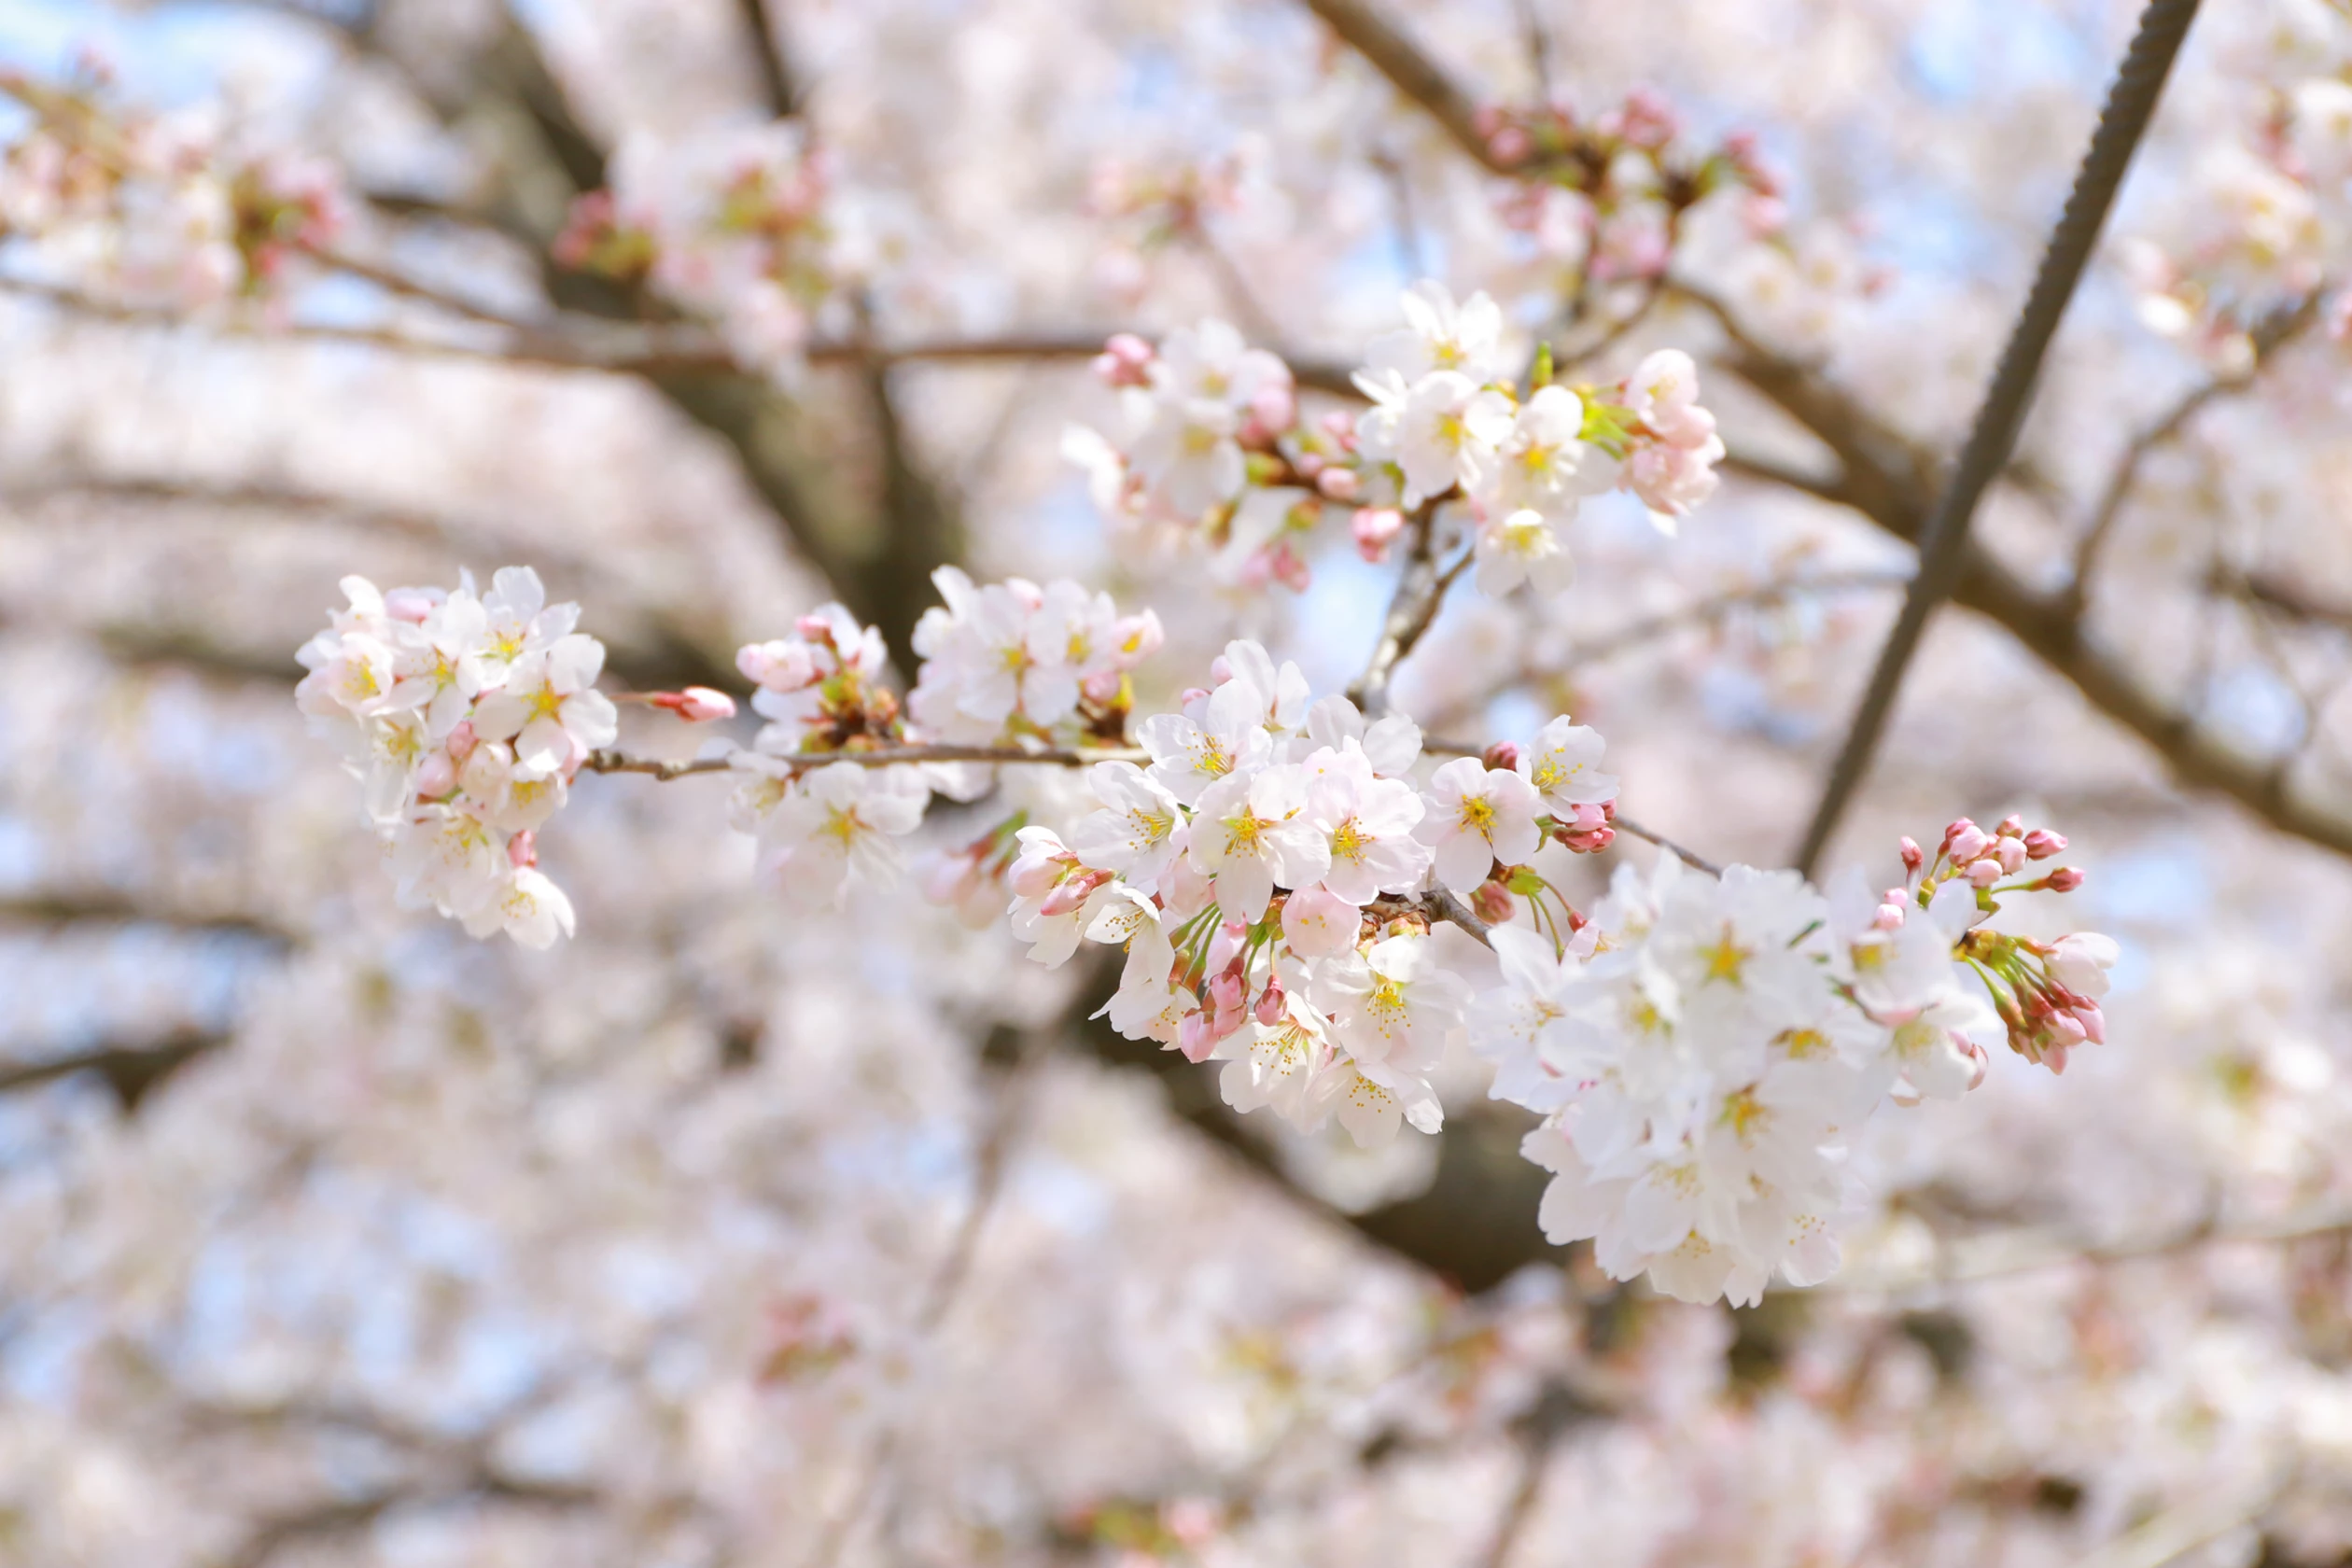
<point>130,1070</point>
<point>1696,862</point>
<point>1944,535</point>
<point>1420,588</point>
<point>2272,333</point>
<point>1364,27</point>
<point>2026,1252</point>
<point>884,756</point>
<point>1717,608</point>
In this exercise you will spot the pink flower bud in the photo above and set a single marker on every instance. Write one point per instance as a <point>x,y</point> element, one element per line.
<point>1225,991</point>
<point>461,741</point>
<point>1271,1004</point>
<point>1979,1064</point>
<point>436,776</point>
<point>2041,843</point>
<point>1492,902</point>
<point>2065,879</point>
<point>816,629</point>
<point>1036,877</point>
<point>522,849</point>
<point>1501,756</point>
<point>1959,825</point>
<point>1192,695</point>
<point>1226,944</point>
<point>1065,898</point>
<point>2091,1018</point>
<point>1891,915</point>
<point>1124,361</point>
<point>1340,485</point>
<point>1913,856</point>
<point>1220,670</point>
<point>2011,852</point>
<point>1275,407</point>
<point>1509,145</point>
<point>2012,826</point>
<point>1290,571</point>
<point>1192,1036</point>
<point>697,704</point>
<point>1340,425</point>
<point>1968,842</point>
<point>1375,528</point>
<point>1983,873</point>
<point>2067,1029</point>
<point>410,604</point>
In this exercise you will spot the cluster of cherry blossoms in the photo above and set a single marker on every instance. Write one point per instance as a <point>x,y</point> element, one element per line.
<point>1214,441</point>
<point>731,223</point>
<point>1606,196</point>
<point>2269,213</point>
<point>159,208</point>
<point>1010,668</point>
<point>1273,873</point>
<point>467,715</point>
<point>1705,1049</point>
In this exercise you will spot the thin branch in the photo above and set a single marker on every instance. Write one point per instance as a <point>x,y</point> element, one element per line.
<point>1714,611</point>
<point>2026,1252</point>
<point>1421,588</point>
<point>884,756</point>
<point>1366,28</point>
<point>2267,338</point>
<point>777,85</point>
<point>2131,103</point>
<point>1697,863</point>
<point>131,1071</point>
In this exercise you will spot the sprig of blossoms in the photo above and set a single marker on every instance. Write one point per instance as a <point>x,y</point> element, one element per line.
<point>154,207</point>
<point>1016,662</point>
<point>1608,196</point>
<point>1214,441</point>
<point>1705,1050</point>
<point>732,223</point>
<point>467,716</point>
<point>1270,871</point>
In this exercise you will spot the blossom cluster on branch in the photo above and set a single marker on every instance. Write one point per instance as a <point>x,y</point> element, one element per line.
<point>731,223</point>
<point>467,715</point>
<point>1280,871</point>
<point>162,209</point>
<point>1213,440</point>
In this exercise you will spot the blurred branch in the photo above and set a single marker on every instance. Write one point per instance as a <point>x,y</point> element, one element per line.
<point>779,86</point>
<point>2274,332</point>
<point>2183,1528</point>
<point>131,1071</point>
<point>1420,590</point>
<point>1366,27</point>
<point>1943,536</point>
<point>2024,1252</point>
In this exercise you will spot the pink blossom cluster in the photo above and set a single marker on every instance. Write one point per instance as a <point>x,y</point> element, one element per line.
<point>732,223</point>
<point>1608,196</point>
<point>2045,993</point>
<point>467,715</point>
<point>1213,440</point>
<point>157,208</point>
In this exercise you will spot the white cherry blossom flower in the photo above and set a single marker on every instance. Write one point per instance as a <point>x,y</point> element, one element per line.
<point>1475,816</point>
<point>1563,767</point>
<point>1251,832</point>
<point>549,706</point>
<point>1523,547</point>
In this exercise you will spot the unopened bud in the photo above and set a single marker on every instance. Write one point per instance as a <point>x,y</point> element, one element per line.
<point>2011,826</point>
<point>436,776</point>
<point>1375,528</point>
<point>1192,1036</point>
<point>1968,841</point>
<point>1225,991</point>
<point>1270,1004</point>
<point>1225,945</point>
<point>2065,879</point>
<point>2042,845</point>
<point>815,628</point>
<point>1913,856</point>
<point>697,704</point>
<point>1983,873</point>
<point>1340,485</point>
<point>522,849</point>
<point>1503,755</point>
<point>1492,902</point>
<point>2011,852</point>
